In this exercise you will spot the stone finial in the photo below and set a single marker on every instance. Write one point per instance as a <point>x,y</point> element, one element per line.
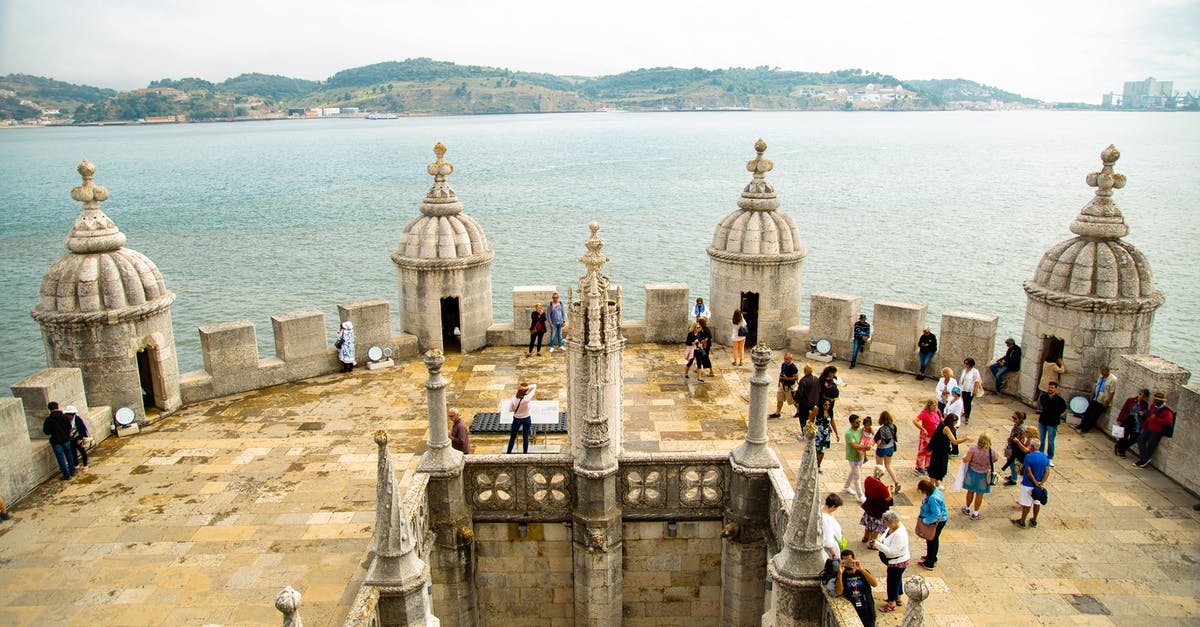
<point>288,603</point>
<point>440,200</point>
<point>593,258</point>
<point>1101,218</point>
<point>434,359</point>
<point>917,590</point>
<point>758,195</point>
<point>759,166</point>
<point>760,354</point>
<point>93,231</point>
<point>441,168</point>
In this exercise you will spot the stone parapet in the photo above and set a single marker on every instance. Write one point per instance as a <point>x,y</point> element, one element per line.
<point>666,312</point>
<point>524,297</point>
<point>832,317</point>
<point>61,385</point>
<point>966,334</point>
<point>895,328</point>
<point>372,321</point>
<point>1177,457</point>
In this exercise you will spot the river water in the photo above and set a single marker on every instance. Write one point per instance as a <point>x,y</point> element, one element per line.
<point>246,220</point>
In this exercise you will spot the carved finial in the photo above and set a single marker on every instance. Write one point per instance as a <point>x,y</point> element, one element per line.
<point>441,168</point>
<point>93,231</point>
<point>434,359</point>
<point>593,258</point>
<point>288,603</point>
<point>918,591</point>
<point>758,195</point>
<point>760,165</point>
<point>440,200</point>
<point>381,437</point>
<point>760,355</point>
<point>1101,218</point>
<point>88,193</point>
<point>1106,180</point>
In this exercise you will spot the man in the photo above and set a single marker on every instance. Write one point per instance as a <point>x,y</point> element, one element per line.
<point>808,394</point>
<point>58,426</point>
<point>460,438</point>
<point>1102,397</point>
<point>700,310</point>
<point>1035,475</point>
<point>862,334</point>
<point>831,532</point>
<point>556,315</point>
<point>1010,362</point>
<point>855,582</point>
<point>1131,417</point>
<point>926,347</point>
<point>1051,409</point>
<point>1160,421</point>
<point>788,375</point>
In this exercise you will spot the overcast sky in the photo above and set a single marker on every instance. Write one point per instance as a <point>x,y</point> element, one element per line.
<point>1048,49</point>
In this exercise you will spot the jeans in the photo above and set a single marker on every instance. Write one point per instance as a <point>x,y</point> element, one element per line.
<point>967,398</point>
<point>523,425</point>
<point>931,546</point>
<point>858,344</point>
<point>556,335</point>
<point>66,460</point>
<point>1014,470</point>
<point>78,452</point>
<point>1047,434</point>
<point>925,359</point>
<point>895,583</point>
<point>1147,442</point>
<point>998,372</point>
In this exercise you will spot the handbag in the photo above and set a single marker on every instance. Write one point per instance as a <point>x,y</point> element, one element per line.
<point>742,331</point>
<point>338,344</point>
<point>925,530</point>
<point>1118,431</point>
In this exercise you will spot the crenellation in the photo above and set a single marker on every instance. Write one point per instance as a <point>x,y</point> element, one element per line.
<point>965,334</point>
<point>832,318</point>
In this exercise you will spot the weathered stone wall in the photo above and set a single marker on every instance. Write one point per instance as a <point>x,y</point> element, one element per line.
<point>666,313</point>
<point>832,318</point>
<point>524,581</point>
<point>965,334</point>
<point>421,291</point>
<point>61,385</point>
<point>672,580</point>
<point>895,327</point>
<point>1177,457</point>
<point>778,289</point>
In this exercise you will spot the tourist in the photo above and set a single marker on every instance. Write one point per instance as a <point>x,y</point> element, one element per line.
<point>862,335</point>
<point>556,315</point>
<point>1051,410</point>
<point>1015,448</point>
<point>1130,418</point>
<point>831,532</point>
<point>460,437</point>
<point>700,310</point>
<point>926,423</point>
<point>537,328</point>
<point>926,348</point>
<point>789,373</point>
<point>868,436</point>
<point>971,383</point>
<point>878,500</point>
<point>940,443</point>
<point>1160,423</point>
<point>855,582</point>
<point>58,426</point>
<point>855,456</point>
<point>829,388</point>
<point>345,346</point>
<point>956,407</point>
<point>893,551</point>
<point>886,439</point>
<point>1035,475</point>
<point>737,337</point>
<point>1101,400</point>
<point>933,513</point>
<point>694,341</point>
<point>807,395</point>
<point>944,385</point>
<point>979,464</point>
<point>1051,372</point>
<point>706,337</point>
<point>519,405</point>
<point>822,419</point>
<point>1010,362</point>
<point>4,515</point>
<point>79,432</point>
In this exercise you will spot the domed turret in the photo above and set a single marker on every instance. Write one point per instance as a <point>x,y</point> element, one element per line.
<point>445,267</point>
<point>105,309</point>
<point>755,263</point>
<point>1092,297</point>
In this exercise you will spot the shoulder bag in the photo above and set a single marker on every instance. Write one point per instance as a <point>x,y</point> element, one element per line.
<point>925,530</point>
<point>992,473</point>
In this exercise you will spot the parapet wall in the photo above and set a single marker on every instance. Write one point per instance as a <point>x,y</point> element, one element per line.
<point>1177,457</point>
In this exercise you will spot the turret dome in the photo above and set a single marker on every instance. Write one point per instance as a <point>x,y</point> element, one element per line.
<point>443,231</point>
<point>757,227</point>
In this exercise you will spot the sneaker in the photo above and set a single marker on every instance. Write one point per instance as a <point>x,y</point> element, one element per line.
<point>919,471</point>
<point>976,516</point>
<point>1052,463</point>
<point>847,489</point>
<point>5,516</point>
<point>1033,523</point>
<point>966,510</point>
<point>774,415</point>
<point>1017,522</point>
<point>551,350</point>
<point>922,564</point>
<point>1142,465</point>
<point>1009,482</point>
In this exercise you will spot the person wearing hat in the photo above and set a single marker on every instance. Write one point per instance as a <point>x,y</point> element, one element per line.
<point>345,346</point>
<point>862,335</point>
<point>79,431</point>
<point>58,426</point>
<point>1010,362</point>
<point>1160,419</point>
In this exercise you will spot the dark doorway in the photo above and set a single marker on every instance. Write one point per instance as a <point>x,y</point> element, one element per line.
<point>147,376</point>
<point>749,309</point>
<point>1052,349</point>
<point>451,331</point>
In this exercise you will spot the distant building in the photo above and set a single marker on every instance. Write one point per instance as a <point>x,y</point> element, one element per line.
<point>1147,94</point>
<point>349,110</point>
<point>297,113</point>
<point>327,111</point>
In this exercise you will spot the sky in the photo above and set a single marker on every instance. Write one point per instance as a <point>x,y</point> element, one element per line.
<point>1051,50</point>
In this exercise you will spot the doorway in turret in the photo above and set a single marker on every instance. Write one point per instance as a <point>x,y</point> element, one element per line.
<point>150,377</point>
<point>749,309</point>
<point>451,326</point>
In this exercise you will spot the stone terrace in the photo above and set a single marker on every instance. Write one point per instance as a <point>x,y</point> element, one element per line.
<point>204,517</point>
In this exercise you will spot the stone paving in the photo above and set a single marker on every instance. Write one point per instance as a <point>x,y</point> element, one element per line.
<point>204,517</point>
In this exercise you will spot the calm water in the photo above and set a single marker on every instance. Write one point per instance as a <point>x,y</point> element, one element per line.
<point>253,219</point>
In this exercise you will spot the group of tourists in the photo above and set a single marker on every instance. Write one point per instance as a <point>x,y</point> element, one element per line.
<point>698,343</point>
<point>550,317</point>
<point>68,435</point>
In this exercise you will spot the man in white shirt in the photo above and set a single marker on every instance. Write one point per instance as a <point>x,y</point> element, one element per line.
<point>831,530</point>
<point>1101,399</point>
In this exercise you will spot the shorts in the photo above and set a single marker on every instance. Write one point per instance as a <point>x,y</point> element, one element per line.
<point>885,451</point>
<point>1025,498</point>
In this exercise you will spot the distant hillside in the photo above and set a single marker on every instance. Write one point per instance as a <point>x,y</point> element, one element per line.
<point>271,86</point>
<point>946,90</point>
<point>51,94</point>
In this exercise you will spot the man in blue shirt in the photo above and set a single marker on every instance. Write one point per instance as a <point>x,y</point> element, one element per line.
<point>1036,474</point>
<point>556,315</point>
<point>862,333</point>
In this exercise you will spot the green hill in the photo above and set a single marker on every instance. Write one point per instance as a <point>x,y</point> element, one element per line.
<point>51,94</point>
<point>946,90</point>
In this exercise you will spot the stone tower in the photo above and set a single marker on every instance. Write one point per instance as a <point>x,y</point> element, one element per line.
<point>1092,297</point>
<point>755,263</point>
<point>105,309</point>
<point>594,344</point>
<point>445,268</point>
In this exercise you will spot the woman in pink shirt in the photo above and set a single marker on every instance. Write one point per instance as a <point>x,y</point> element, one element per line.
<point>519,404</point>
<point>926,422</point>
<point>978,463</point>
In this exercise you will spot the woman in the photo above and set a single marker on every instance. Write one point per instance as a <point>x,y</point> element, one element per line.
<point>944,385</point>
<point>1051,373</point>
<point>855,456</point>
<point>933,512</point>
<point>822,418</point>
<point>971,383</point>
<point>519,404</point>
<point>706,336</point>
<point>893,550</point>
<point>695,351</point>
<point>738,337</point>
<point>879,500</point>
<point>979,463</point>
<point>79,433</point>
<point>939,448</point>
<point>1015,448</point>
<point>345,346</point>
<point>537,328</point>
<point>926,347</point>
<point>926,423</point>
<point>886,438</point>
<point>829,387</point>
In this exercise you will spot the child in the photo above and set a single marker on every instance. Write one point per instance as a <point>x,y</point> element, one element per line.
<point>868,435</point>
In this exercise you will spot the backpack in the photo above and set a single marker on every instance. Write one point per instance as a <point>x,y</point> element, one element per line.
<point>1168,431</point>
